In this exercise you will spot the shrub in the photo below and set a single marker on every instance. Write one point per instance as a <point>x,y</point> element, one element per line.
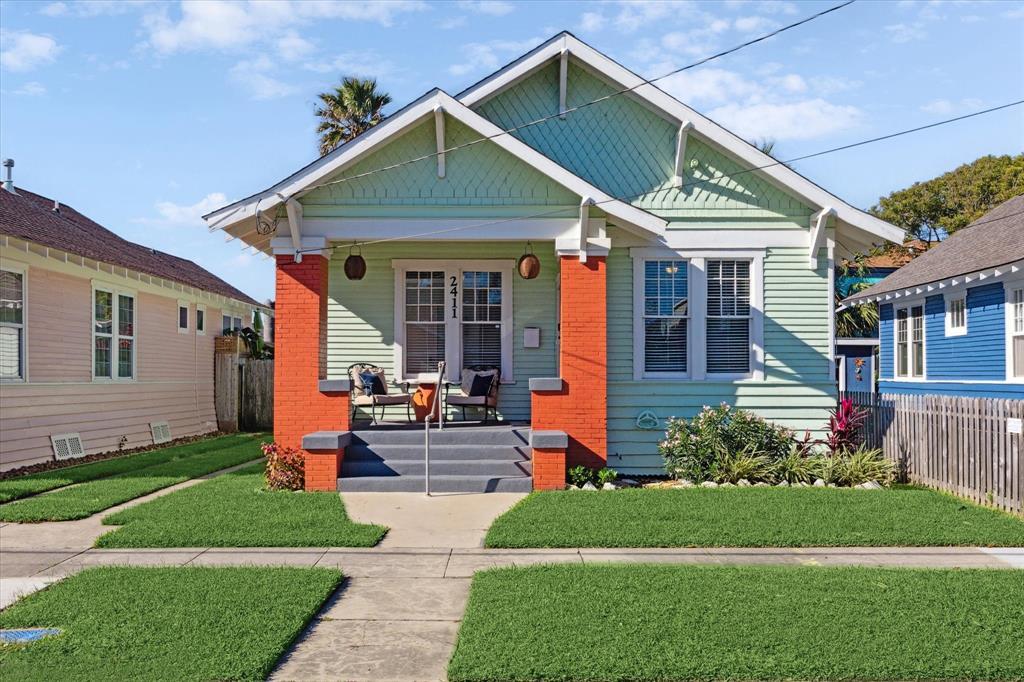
<point>285,468</point>
<point>864,465</point>
<point>606,475</point>
<point>580,475</point>
<point>692,448</point>
<point>797,466</point>
<point>844,427</point>
<point>733,466</point>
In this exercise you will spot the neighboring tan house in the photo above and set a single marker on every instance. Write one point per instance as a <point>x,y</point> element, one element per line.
<point>952,319</point>
<point>100,338</point>
<point>672,276</point>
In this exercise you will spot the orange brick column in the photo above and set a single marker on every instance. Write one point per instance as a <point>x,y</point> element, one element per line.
<point>300,362</point>
<point>580,408</point>
<point>548,469</point>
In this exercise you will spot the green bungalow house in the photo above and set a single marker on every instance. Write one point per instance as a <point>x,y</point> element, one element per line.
<point>676,267</point>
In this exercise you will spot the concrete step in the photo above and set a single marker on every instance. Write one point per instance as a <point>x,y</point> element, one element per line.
<point>377,452</point>
<point>438,484</point>
<point>454,435</point>
<point>438,467</point>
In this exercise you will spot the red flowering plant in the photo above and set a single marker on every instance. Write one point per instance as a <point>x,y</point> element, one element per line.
<point>285,468</point>
<point>844,427</point>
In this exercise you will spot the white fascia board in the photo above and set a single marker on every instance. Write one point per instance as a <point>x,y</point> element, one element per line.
<point>703,127</point>
<point>413,114</point>
<point>924,289</point>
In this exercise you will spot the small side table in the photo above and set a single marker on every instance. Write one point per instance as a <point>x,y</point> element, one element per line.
<point>421,401</point>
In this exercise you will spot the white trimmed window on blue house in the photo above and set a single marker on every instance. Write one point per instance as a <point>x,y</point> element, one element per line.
<point>910,342</point>
<point>956,315</point>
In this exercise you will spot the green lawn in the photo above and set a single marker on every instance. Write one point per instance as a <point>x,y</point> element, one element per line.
<point>188,623</point>
<point>94,496</point>
<point>644,622</point>
<point>752,517</point>
<point>235,510</point>
<point>23,486</point>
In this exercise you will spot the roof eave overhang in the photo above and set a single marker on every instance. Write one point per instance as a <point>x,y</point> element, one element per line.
<point>953,283</point>
<point>704,128</point>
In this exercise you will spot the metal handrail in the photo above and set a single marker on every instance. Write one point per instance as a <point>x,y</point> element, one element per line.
<point>426,426</point>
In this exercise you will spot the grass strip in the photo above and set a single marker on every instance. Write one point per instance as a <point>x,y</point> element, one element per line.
<point>88,498</point>
<point>752,517</point>
<point>191,623</point>
<point>646,622</point>
<point>32,484</point>
<point>235,510</point>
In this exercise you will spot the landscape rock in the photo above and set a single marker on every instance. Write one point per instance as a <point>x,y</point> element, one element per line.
<point>819,483</point>
<point>871,485</point>
<point>801,484</point>
<point>628,483</point>
<point>708,484</point>
<point>588,486</point>
<point>760,484</point>
<point>684,483</point>
<point>728,485</point>
<point>570,486</point>
<point>743,483</point>
<point>609,486</point>
<point>782,484</point>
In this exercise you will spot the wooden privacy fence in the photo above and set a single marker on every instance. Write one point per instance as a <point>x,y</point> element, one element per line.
<point>244,393</point>
<point>968,446</point>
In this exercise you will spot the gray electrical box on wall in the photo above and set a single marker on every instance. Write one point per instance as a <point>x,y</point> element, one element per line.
<point>531,337</point>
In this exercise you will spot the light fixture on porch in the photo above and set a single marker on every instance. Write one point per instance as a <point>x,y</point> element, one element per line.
<point>355,266</point>
<point>529,264</point>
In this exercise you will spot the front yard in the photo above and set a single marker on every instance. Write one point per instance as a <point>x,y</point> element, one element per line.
<point>641,622</point>
<point>236,510</point>
<point>752,517</point>
<point>165,623</point>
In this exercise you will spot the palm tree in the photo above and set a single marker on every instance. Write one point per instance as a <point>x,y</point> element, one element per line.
<point>349,110</point>
<point>765,145</point>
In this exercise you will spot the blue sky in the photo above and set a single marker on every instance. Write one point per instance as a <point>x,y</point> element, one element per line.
<point>145,115</point>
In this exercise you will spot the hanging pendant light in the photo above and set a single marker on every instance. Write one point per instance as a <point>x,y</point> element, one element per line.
<point>529,264</point>
<point>355,266</point>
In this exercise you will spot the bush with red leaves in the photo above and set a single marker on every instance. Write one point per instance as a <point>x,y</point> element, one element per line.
<point>285,468</point>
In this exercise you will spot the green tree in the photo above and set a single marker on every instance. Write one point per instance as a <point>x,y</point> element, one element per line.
<point>947,203</point>
<point>349,110</point>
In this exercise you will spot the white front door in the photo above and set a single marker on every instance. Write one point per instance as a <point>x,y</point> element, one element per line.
<point>456,311</point>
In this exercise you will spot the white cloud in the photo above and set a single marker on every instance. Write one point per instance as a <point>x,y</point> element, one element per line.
<point>946,107</point>
<point>802,120</point>
<point>635,14</point>
<point>592,21</point>
<point>494,8</point>
<point>293,47</point>
<point>452,22</point>
<point>171,214</point>
<point>710,86</point>
<point>365,64</point>
<point>490,55</point>
<point>30,89</point>
<point>905,33</point>
<point>754,24</point>
<point>255,76</point>
<point>24,51</point>
<point>92,8</point>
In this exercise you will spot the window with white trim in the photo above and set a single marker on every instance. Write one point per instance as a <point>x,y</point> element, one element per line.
<point>201,320</point>
<point>113,334</point>
<point>183,317</point>
<point>12,325</point>
<point>910,342</point>
<point>956,316</point>
<point>481,318</point>
<point>1016,299</point>
<point>230,324</point>
<point>424,321</point>
<point>666,316</point>
<point>728,316</point>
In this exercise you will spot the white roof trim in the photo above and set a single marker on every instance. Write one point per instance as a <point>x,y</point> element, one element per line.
<point>937,286</point>
<point>703,127</point>
<point>393,126</point>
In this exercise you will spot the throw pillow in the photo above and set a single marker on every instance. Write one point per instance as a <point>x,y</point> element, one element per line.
<point>481,385</point>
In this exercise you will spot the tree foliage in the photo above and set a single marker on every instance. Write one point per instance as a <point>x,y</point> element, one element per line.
<point>349,110</point>
<point>927,210</point>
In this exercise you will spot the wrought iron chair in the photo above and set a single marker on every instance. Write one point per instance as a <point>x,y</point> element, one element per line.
<point>464,397</point>
<point>372,398</point>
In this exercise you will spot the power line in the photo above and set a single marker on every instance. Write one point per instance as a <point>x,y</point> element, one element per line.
<point>584,105</point>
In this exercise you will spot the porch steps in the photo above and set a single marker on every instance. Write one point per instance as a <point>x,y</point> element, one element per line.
<point>463,459</point>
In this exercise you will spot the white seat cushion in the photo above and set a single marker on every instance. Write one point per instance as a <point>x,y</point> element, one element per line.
<point>471,401</point>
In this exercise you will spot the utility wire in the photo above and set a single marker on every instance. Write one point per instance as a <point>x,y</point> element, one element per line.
<point>584,105</point>
<point>699,182</point>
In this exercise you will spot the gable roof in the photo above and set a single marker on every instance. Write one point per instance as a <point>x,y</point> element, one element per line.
<point>30,217</point>
<point>703,127</point>
<point>994,240</point>
<point>232,216</point>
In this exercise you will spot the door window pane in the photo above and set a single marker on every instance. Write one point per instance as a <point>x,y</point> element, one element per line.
<point>424,321</point>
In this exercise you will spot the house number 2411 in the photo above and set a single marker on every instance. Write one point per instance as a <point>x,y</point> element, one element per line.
<point>454,291</point>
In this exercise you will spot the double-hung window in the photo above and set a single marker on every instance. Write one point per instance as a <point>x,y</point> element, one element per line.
<point>424,321</point>
<point>1015,324</point>
<point>728,316</point>
<point>665,317</point>
<point>956,316</point>
<point>113,334</point>
<point>909,342</point>
<point>481,318</point>
<point>12,325</point>
<point>183,317</point>
<point>200,320</point>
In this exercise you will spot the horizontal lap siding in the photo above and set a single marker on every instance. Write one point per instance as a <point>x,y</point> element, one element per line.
<point>965,388</point>
<point>980,353</point>
<point>797,392</point>
<point>361,314</point>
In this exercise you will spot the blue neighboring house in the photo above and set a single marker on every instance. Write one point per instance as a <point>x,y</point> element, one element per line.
<point>952,320</point>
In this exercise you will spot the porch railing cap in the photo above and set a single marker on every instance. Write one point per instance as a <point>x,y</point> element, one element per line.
<point>551,440</point>
<point>335,385</point>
